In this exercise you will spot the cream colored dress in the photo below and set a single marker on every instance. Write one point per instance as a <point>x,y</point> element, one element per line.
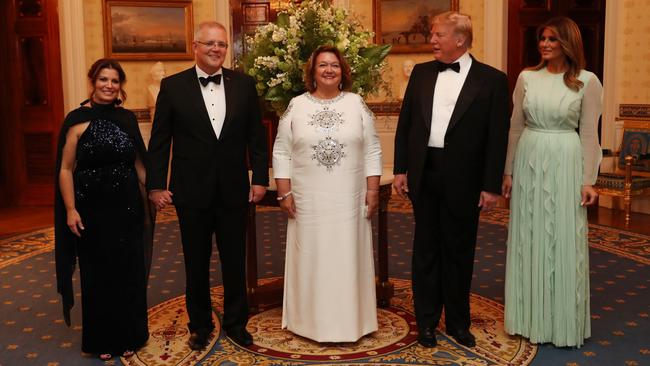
<point>327,148</point>
<point>547,267</point>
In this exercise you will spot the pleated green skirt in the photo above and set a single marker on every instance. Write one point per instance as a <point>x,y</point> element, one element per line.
<point>547,267</point>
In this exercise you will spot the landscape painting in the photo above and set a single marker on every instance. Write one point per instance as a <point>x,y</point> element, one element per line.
<point>141,29</point>
<point>406,24</point>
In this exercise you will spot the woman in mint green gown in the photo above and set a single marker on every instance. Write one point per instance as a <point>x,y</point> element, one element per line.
<point>550,170</point>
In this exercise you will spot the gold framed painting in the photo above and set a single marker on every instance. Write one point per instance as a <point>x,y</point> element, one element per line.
<point>146,29</point>
<point>406,24</point>
<point>256,13</point>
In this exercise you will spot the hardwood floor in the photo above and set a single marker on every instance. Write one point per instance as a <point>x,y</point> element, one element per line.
<point>639,223</point>
<point>18,220</point>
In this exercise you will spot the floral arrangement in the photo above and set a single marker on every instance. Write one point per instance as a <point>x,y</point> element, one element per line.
<point>279,51</point>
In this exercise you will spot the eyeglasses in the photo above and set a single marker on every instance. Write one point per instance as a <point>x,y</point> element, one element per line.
<point>211,44</point>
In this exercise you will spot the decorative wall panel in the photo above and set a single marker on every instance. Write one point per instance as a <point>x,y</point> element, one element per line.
<point>39,157</point>
<point>30,8</point>
<point>32,57</point>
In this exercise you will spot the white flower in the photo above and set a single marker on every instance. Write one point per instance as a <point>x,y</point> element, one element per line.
<point>273,82</point>
<point>278,54</point>
<point>343,44</point>
<point>270,62</point>
<point>279,34</point>
<point>277,80</point>
<point>294,21</point>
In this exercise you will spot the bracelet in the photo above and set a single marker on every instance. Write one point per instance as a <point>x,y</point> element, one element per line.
<point>372,190</point>
<point>284,196</point>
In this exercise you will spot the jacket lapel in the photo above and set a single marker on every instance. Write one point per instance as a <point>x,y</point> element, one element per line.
<point>467,94</point>
<point>429,85</point>
<point>195,97</point>
<point>228,91</point>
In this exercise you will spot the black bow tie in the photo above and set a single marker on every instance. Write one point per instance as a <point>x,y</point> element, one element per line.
<point>443,66</point>
<point>214,78</point>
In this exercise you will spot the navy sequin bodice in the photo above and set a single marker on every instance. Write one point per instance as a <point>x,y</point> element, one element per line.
<point>105,163</point>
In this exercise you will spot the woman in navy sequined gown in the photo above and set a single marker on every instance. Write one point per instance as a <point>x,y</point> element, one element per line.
<point>100,218</point>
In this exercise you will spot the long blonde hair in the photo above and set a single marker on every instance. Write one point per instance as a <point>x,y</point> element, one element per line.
<point>568,35</point>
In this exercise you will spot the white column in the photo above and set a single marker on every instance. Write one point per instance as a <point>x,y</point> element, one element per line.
<point>611,92</point>
<point>611,95</point>
<point>73,53</point>
<point>222,15</point>
<point>496,34</point>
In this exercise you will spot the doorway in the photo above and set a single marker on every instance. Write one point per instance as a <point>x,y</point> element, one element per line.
<point>524,16</point>
<point>31,101</point>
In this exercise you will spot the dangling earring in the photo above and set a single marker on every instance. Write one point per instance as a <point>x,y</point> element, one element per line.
<point>314,83</point>
<point>340,86</point>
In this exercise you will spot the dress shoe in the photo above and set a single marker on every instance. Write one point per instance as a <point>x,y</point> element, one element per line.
<point>463,337</point>
<point>128,353</point>
<point>240,336</point>
<point>427,337</point>
<point>197,341</point>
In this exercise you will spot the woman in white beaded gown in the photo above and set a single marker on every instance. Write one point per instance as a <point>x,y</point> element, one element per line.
<point>327,165</point>
<point>550,170</point>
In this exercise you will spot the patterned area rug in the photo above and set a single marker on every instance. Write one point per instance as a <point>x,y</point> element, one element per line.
<point>394,342</point>
<point>620,242</point>
<point>623,243</point>
<point>32,330</point>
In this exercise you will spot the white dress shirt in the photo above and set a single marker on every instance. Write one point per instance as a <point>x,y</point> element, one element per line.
<point>214,98</point>
<point>445,95</point>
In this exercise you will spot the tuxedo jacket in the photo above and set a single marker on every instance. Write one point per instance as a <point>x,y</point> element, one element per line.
<point>205,168</point>
<point>476,140</point>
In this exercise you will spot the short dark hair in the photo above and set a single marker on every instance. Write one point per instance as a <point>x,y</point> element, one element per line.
<point>107,63</point>
<point>308,75</point>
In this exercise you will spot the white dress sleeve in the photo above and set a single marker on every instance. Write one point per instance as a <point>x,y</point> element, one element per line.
<point>371,145</point>
<point>282,147</point>
<point>517,123</point>
<point>590,113</point>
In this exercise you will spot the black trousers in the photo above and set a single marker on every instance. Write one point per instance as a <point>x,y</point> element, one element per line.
<point>197,226</point>
<point>443,252</point>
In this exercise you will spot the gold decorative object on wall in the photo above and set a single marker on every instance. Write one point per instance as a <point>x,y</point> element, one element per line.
<point>406,24</point>
<point>256,13</point>
<point>145,29</point>
<point>634,111</point>
<point>386,108</point>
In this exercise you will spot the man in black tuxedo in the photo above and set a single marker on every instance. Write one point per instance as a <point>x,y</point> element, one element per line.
<point>212,116</point>
<point>450,149</point>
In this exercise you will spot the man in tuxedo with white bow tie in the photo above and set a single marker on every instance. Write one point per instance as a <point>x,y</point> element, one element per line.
<point>450,148</point>
<point>210,118</point>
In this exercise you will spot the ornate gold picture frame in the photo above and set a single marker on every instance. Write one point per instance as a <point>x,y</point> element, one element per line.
<point>406,24</point>
<point>146,29</point>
